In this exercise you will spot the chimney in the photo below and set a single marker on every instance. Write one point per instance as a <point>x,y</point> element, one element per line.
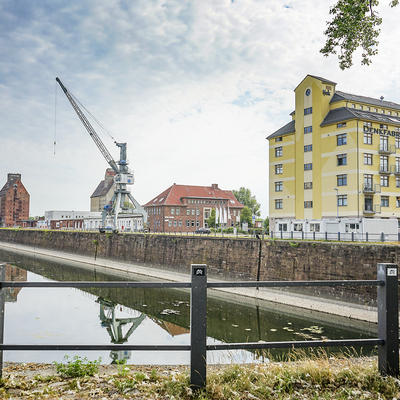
<point>110,173</point>
<point>13,177</point>
<point>214,186</point>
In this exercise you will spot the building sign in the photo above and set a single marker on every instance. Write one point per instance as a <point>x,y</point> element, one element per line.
<point>368,129</point>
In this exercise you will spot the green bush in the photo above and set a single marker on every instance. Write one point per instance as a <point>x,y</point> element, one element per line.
<point>77,367</point>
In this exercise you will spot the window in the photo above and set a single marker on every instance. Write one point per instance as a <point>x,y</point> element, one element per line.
<point>341,124</point>
<point>314,227</point>
<point>368,179</point>
<point>367,159</point>
<point>342,200</point>
<point>178,211</point>
<point>308,204</point>
<point>308,111</point>
<point>353,106</point>
<point>397,142</point>
<point>188,211</point>
<point>368,124</point>
<point>307,147</point>
<point>297,227</point>
<point>188,223</point>
<point>341,180</point>
<point>278,151</point>
<point>384,201</point>
<point>383,126</point>
<point>384,180</point>
<point>193,211</point>
<point>308,167</point>
<point>397,202</point>
<point>175,223</point>
<point>341,139</point>
<point>180,223</point>
<point>172,211</point>
<point>282,227</point>
<point>307,129</point>
<point>384,163</point>
<point>341,159</point>
<point>193,222</point>
<point>278,186</point>
<point>367,138</point>
<point>197,212</point>
<point>307,185</point>
<point>398,181</point>
<point>278,139</point>
<point>278,204</point>
<point>383,143</point>
<point>169,223</point>
<point>278,169</point>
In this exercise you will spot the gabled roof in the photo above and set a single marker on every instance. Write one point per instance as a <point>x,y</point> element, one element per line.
<point>323,80</point>
<point>103,188</point>
<point>11,179</point>
<point>340,96</point>
<point>175,194</point>
<point>345,113</point>
<point>286,129</point>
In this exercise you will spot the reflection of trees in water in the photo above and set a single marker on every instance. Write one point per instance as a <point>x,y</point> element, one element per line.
<point>226,321</point>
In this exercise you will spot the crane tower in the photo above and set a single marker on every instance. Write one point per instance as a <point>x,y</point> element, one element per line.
<point>120,202</point>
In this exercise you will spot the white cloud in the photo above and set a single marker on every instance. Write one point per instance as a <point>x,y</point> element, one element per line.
<point>193,87</point>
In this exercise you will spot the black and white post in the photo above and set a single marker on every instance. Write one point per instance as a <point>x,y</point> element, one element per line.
<point>198,327</point>
<point>388,319</point>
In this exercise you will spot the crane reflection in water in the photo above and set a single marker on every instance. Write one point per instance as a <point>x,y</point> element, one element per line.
<point>114,326</point>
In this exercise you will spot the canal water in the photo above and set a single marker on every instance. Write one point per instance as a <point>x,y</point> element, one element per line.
<point>144,316</point>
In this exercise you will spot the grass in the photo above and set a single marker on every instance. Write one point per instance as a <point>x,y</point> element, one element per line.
<point>316,378</point>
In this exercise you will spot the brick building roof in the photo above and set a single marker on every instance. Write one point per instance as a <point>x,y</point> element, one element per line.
<point>11,179</point>
<point>105,185</point>
<point>175,194</point>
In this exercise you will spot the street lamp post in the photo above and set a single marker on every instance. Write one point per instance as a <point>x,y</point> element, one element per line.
<point>337,202</point>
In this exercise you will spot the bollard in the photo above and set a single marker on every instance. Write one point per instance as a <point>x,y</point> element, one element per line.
<point>388,320</point>
<point>366,236</point>
<point>352,236</point>
<point>281,234</point>
<point>382,237</point>
<point>338,236</point>
<point>198,327</point>
<point>302,235</point>
<point>326,235</point>
<point>313,235</point>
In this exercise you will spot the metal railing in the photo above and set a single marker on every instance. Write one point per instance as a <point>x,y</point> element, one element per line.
<point>388,320</point>
<point>337,236</point>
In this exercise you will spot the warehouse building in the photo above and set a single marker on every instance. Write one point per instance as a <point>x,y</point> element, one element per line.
<point>335,167</point>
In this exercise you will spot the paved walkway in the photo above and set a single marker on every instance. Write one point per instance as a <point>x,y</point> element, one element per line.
<point>241,295</point>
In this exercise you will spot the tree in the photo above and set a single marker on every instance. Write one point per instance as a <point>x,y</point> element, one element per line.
<point>246,215</point>
<point>355,24</point>
<point>244,196</point>
<point>266,224</point>
<point>211,219</point>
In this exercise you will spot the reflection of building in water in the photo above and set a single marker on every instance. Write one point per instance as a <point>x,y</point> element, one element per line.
<point>172,329</point>
<point>13,273</point>
<point>115,327</point>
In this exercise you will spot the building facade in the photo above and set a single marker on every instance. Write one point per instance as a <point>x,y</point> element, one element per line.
<point>339,157</point>
<point>14,202</point>
<point>104,192</point>
<point>184,208</point>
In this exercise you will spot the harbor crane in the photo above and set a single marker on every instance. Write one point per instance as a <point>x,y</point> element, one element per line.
<point>120,200</point>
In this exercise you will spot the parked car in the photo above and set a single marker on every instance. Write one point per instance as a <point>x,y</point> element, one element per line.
<point>206,231</point>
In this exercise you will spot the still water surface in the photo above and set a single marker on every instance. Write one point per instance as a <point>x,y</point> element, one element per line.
<point>142,316</point>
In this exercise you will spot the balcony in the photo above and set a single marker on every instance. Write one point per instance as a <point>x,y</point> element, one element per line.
<point>387,149</point>
<point>369,188</point>
<point>395,169</point>
<point>384,169</point>
<point>375,209</point>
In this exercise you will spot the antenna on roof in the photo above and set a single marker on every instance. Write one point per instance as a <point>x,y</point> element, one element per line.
<point>381,98</point>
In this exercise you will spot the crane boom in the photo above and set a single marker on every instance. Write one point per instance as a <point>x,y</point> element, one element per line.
<point>90,129</point>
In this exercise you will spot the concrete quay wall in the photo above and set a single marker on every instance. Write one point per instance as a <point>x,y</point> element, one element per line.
<point>228,257</point>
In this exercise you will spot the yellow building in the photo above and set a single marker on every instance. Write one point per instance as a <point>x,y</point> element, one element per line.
<point>337,160</point>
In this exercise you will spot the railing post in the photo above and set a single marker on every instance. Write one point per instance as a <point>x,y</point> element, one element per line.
<point>382,237</point>
<point>366,236</point>
<point>352,236</point>
<point>313,235</point>
<point>2,301</point>
<point>388,320</point>
<point>326,235</point>
<point>198,327</point>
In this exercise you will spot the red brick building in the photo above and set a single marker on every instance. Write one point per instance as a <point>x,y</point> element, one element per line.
<point>14,202</point>
<point>184,208</point>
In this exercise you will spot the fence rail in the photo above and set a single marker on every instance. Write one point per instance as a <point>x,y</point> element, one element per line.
<point>388,330</point>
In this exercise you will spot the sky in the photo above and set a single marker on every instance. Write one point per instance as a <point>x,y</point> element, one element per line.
<point>193,87</point>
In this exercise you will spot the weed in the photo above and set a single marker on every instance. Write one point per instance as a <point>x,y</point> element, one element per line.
<point>123,370</point>
<point>77,367</point>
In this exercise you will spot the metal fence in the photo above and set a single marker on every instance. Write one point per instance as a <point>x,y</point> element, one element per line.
<point>337,236</point>
<point>388,320</point>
